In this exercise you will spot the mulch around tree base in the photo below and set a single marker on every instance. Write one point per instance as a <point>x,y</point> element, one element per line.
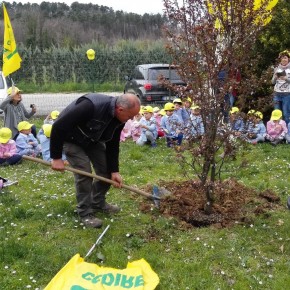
<point>234,203</point>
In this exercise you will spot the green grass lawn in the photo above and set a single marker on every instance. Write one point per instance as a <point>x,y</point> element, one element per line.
<point>39,231</point>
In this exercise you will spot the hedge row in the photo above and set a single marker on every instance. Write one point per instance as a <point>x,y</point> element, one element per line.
<point>63,65</point>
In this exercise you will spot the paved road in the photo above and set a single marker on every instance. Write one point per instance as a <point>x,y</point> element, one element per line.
<point>45,103</point>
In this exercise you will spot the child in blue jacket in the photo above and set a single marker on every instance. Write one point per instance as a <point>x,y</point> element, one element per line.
<point>172,126</point>
<point>26,143</point>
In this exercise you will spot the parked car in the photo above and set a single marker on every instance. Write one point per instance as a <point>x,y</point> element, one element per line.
<point>3,88</point>
<point>144,83</point>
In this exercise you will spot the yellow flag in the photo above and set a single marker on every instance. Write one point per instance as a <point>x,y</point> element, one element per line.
<point>80,275</point>
<point>11,58</point>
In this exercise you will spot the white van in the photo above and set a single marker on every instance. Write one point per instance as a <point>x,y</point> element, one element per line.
<point>3,88</point>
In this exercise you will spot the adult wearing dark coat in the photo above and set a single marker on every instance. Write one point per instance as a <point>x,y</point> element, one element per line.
<point>89,132</point>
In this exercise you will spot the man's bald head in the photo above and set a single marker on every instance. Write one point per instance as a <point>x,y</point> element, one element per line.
<point>127,106</point>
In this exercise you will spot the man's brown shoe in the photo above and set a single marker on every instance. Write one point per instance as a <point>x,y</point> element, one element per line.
<point>91,221</point>
<point>108,208</point>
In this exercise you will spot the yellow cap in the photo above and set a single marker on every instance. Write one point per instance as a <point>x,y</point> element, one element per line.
<point>169,107</point>
<point>24,125</point>
<point>54,115</point>
<point>259,115</point>
<point>147,109</point>
<point>276,115</point>
<point>251,112</point>
<point>5,135</point>
<point>162,112</point>
<point>193,107</point>
<point>47,130</point>
<point>234,110</point>
<point>12,91</point>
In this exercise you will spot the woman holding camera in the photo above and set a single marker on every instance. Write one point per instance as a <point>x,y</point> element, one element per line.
<point>281,80</point>
<point>15,111</point>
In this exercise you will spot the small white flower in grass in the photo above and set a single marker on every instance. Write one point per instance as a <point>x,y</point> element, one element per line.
<point>111,220</point>
<point>129,257</point>
<point>222,272</point>
<point>251,225</point>
<point>34,281</point>
<point>260,282</point>
<point>62,224</point>
<point>270,276</point>
<point>13,272</point>
<point>6,267</point>
<point>28,286</point>
<point>197,238</point>
<point>128,235</point>
<point>18,239</point>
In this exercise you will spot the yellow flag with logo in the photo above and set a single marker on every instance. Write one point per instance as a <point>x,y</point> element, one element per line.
<point>11,58</point>
<point>80,275</point>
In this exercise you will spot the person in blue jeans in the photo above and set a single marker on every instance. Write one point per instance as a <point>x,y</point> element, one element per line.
<point>281,80</point>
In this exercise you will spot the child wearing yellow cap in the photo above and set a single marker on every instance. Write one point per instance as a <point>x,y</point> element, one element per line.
<point>26,143</point>
<point>148,128</point>
<point>51,117</point>
<point>8,154</point>
<point>276,128</point>
<point>43,136</point>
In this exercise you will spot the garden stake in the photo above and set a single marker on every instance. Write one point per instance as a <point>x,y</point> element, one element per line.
<point>101,178</point>
<point>98,240</point>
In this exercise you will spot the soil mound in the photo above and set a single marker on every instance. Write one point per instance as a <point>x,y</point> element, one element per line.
<point>234,203</point>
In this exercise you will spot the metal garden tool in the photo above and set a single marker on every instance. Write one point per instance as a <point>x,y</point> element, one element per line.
<point>158,193</point>
<point>101,178</point>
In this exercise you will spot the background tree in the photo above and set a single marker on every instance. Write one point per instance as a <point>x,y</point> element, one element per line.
<point>207,40</point>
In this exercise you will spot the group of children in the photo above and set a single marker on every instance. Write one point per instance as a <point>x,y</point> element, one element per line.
<point>174,122</point>
<point>181,120</point>
<point>25,143</point>
<point>252,128</point>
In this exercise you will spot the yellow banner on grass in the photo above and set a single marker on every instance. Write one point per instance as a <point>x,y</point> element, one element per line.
<point>80,275</point>
<point>11,58</point>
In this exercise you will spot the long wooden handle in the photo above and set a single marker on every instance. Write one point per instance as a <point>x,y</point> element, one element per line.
<point>101,178</point>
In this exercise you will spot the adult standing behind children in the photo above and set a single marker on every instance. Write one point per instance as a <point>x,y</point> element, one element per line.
<point>281,80</point>
<point>15,111</point>
<point>89,131</point>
